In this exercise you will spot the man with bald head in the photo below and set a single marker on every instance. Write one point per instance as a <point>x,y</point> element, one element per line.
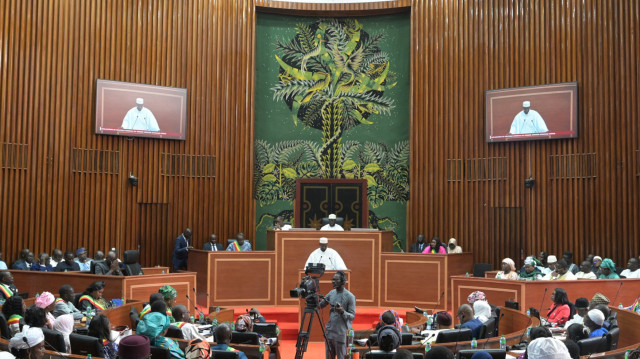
<point>212,244</point>
<point>25,261</point>
<point>467,320</point>
<point>419,246</point>
<point>632,270</point>
<point>181,250</point>
<point>7,287</point>
<point>181,314</point>
<point>240,244</point>
<point>223,338</point>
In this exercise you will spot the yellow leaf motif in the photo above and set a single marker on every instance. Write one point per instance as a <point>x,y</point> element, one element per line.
<point>268,168</point>
<point>348,165</point>
<point>372,168</point>
<point>290,173</point>
<point>370,180</point>
<point>269,178</point>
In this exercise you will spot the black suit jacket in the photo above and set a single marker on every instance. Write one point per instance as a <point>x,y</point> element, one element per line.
<point>207,247</point>
<point>415,247</point>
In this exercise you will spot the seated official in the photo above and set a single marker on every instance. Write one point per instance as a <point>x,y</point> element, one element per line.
<point>64,304</point>
<point>134,347</point>
<point>561,272</point>
<point>482,310</point>
<point>240,244</point>
<point>568,257</point>
<point>256,316</point>
<point>147,308</point>
<point>389,317</point>
<point>438,352</point>
<point>435,247</point>
<point>35,316</point>
<point>595,265</point>
<point>82,260</point>
<point>68,264</point>
<point>594,321</point>
<point>453,246</point>
<point>170,296</point>
<point>213,245</point>
<point>92,298</point>
<point>223,338</point>
<point>327,256</point>
<point>609,321</point>
<point>244,323</point>
<point>332,225</point>
<point>585,271</point>
<point>25,261</point>
<point>7,287</point>
<point>467,320</point>
<point>632,270</point>
<point>154,326</point>
<point>475,296</point>
<point>13,310</point>
<point>577,332</point>
<point>598,299</point>
<point>43,264</point>
<point>444,320</point>
<point>508,270</point>
<point>279,225</point>
<point>183,321</point>
<point>47,302</point>
<point>109,266</point>
<point>64,325</point>
<point>389,336</point>
<point>547,348</point>
<point>530,271</point>
<point>551,266</point>
<point>559,312</point>
<point>419,246</point>
<point>608,270</point>
<point>582,307</point>
<point>28,344</point>
<point>100,328</point>
<point>56,257</point>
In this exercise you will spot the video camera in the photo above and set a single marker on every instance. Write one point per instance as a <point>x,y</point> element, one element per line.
<point>309,285</point>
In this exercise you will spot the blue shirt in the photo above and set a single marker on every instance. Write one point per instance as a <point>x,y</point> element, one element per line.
<point>227,348</point>
<point>3,265</point>
<point>38,267</point>
<point>85,267</point>
<point>598,333</point>
<point>474,325</point>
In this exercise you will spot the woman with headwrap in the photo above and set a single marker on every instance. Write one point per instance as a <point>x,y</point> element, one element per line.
<point>13,310</point>
<point>608,270</point>
<point>597,261</point>
<point>530,271</point>
<point>170,294</point>
<point>508,270</point>
<point>435,247</point>
<point>46,301</point>
<point>154,326</point>
<point>453,246</point>
<point>482,310</point>
<point>559,312</point>
<point>92,298</point>
<point>477,295</point>
<point>28,344</point>
<point>64,324</point>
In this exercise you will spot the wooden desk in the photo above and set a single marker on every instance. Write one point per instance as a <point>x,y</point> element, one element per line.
<point>155,270</point>
<point>325,287</point>
<point>130,288</point>
<point>359,250</point>
<point>531,293</point>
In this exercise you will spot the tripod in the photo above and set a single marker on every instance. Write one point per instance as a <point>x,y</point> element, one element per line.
<point>310,310</point>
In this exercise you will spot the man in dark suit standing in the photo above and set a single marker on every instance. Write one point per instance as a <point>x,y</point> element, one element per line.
<point>419,246</point>
<point>181,250</point>
<point>213,244</point>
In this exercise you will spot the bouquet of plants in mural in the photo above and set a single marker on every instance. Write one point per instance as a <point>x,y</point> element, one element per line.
<point>332,76</point>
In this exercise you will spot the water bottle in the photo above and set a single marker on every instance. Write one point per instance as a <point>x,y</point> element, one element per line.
<point>88,356</point>
<point>528,332</point>
<point>215,321</point>
<point>434,325</point>
<point>201,318</point>
<point>474,343</point>
<point>350,337</point>
<point>262,347</point>
<point>352,350</point>
<point>37,295</point>
<point>217,309</point>
<point>193,319</point>
<point>467,275</point>
<point>277,330</point>
<point>427,347</point>
<point>503,342</point>
<point>233,326</point>
<point>429,322</point>
<point>627,354</point>
<point>528,313</point>
<point>620,306</point>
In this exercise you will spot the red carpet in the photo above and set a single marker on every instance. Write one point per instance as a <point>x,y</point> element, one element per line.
<point>287,319</point>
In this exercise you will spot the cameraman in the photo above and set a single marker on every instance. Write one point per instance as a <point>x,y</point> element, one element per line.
<point>343,311</point>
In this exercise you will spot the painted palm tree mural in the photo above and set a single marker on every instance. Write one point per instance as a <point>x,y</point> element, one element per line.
<point>333,78</point>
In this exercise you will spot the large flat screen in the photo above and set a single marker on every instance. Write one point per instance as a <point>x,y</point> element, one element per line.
<point>543,112</point>
<point>139,110</point>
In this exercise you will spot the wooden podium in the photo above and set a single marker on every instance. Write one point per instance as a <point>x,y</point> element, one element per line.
<point>325,287</point>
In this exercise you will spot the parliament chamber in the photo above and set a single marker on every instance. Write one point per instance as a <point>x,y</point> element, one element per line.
<point>401,117</point>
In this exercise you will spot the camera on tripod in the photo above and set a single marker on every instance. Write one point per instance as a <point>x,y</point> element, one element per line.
<point>309,285</point>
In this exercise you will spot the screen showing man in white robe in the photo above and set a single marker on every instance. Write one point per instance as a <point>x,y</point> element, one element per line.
<point>528,121</point>
<point>140,118</point>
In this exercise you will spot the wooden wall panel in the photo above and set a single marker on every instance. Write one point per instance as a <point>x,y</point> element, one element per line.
<point>51,53</point>
<point>463,48</point>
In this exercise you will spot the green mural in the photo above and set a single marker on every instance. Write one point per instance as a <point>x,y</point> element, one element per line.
<point>332,102</point>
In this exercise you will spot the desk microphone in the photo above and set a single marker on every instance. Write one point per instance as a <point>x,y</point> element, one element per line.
<point>520,342</point>
<point>618,292</point>
<point>196,308</point>
<point>50,346</point>
<point>437,304</point>
<point>543,297</point>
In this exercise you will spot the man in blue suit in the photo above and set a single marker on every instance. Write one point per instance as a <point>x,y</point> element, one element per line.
<point>25,261</point>
<point>181,250</point>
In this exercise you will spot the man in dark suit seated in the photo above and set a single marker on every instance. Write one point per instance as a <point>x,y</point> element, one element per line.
<point>467,320</point>
<point>25,261</point>
<point>419,246</point>
<point>213,244</point>
<point>7,287</point>
<point>109,266</point>
<point>68,264</point>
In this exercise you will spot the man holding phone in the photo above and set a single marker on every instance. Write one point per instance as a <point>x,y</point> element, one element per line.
<point>343,311</point>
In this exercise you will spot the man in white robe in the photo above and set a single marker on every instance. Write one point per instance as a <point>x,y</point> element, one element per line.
<point>140,118</point>
<point>332,226</point>
<point>528,121</point>
<point>327,256</point>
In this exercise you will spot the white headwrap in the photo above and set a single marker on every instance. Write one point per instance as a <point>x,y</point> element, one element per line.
<point>547,348</point>
<point>596,316</point>
<point>482,310</point>
<point>552,259</point>
<point>28,338</point>
<point>530,261</point>
<point>64,324</point>
<point>6,355</point>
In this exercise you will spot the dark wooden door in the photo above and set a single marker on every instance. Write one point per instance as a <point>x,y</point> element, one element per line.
<point>317,198</point>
